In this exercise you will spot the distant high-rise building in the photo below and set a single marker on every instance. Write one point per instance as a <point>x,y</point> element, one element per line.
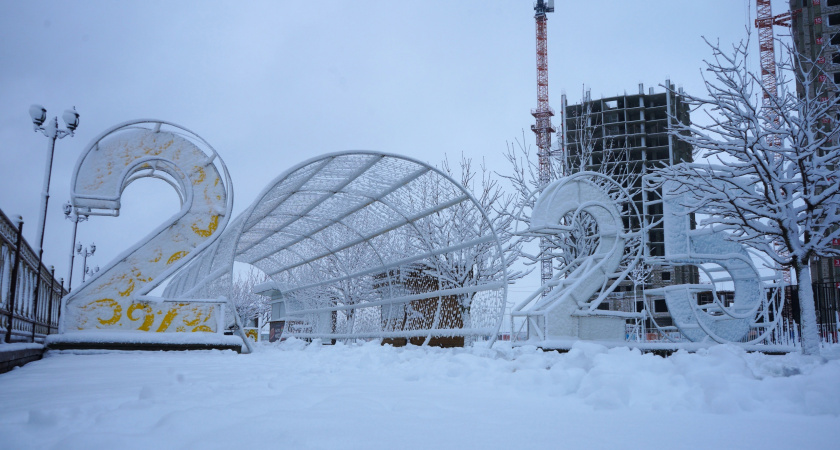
<point>816,35</point>
<point>815,27</point>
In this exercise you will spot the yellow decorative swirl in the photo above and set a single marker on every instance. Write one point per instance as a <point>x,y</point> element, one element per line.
<point>176,256</point>
<point>198,317</point>
<point>214,223</point>
<point>201,316</point>
<point>201,175</point>
<point>128,291</point>
<point>167,319</point>
<point>148,319</point>
<point>106,303</point>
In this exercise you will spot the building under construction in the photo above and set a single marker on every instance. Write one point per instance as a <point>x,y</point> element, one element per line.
<point>815,27</point>
<point>626,136</point>
<point>816,36</point>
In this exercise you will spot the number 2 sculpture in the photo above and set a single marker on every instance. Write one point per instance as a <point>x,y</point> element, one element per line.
<point>116,298</point>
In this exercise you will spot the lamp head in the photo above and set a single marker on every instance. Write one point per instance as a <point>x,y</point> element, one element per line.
<point>71,119</point>
<point>38,114</point>
<point>79,248</point>
<point>92,248</point>
<point>68,208</point>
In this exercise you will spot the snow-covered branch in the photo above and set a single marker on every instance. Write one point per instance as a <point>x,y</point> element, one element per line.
<point>770,176</point>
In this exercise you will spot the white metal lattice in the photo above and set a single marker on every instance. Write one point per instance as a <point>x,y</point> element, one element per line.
<point>365,245</point>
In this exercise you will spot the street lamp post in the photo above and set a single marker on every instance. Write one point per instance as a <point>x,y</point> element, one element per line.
<point>85,252</point>
<point>89,271</point>
<point>71,120</point>
<point>75,218</point>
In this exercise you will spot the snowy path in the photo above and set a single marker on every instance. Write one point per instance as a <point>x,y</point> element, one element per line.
<point>367,396</point>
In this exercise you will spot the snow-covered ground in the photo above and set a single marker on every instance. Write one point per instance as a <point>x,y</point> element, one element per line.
<point>365,396</point>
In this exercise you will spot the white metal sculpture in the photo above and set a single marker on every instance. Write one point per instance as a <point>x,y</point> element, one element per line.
<point>587,215</point>
<point>365,245</point>
<point>584,214</point>
<point>755,307</point>
<point>115,298</point>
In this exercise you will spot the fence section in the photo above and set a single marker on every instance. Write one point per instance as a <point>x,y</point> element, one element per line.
<point>30,319</point>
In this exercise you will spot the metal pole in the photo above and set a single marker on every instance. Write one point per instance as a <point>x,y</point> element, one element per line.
<point>84,265</point>
<point>58,316</point>
<point>72,254</point>
<point>13,288</point>
<point>52,135</point>
<point>50,305</point>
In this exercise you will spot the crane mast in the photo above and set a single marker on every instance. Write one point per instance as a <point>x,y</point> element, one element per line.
<point>543,127</point>
<point>764,22</point>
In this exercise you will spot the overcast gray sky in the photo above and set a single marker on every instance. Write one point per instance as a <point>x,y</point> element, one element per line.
<point>270,84</point>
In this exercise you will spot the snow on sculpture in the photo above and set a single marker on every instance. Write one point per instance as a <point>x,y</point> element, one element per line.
<point>365,245</point>
<point>748,318</point>
<point>586,217</point>
<point>585,214</point>
<point>115,298</point>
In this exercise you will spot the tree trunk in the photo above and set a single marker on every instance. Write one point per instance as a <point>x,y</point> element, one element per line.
<point>807,312</point>
<point>466,321</point>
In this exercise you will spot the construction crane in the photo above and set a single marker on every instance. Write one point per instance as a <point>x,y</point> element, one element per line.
<point>764,21</point>
<point>767,54</point>
<point>543,127</point>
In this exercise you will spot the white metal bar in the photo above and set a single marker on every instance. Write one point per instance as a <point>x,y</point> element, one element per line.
<point>381,231</point>
<point>407,298</point>
<point>397,263</point>
<point>399,184</point>
<point>358,173</point>
<point>442,332</point>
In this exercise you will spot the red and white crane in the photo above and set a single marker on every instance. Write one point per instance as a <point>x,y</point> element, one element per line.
<point>764,22</point>
<point>542,114</point>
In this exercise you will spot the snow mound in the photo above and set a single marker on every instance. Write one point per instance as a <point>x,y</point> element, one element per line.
<point>312,396</point>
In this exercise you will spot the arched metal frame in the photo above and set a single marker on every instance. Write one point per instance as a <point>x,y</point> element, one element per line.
<point>363,239</point>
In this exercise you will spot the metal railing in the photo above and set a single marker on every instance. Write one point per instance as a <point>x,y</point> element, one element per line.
<point>785,332</point>
<point>23,318</point>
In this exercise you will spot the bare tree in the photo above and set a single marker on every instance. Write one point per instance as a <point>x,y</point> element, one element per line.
<point>589,146</point>
<point>480,263</point>
<point>770,180</point>
<point>247,304</point>
<point>347,291</point>
<point>639,276</point>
